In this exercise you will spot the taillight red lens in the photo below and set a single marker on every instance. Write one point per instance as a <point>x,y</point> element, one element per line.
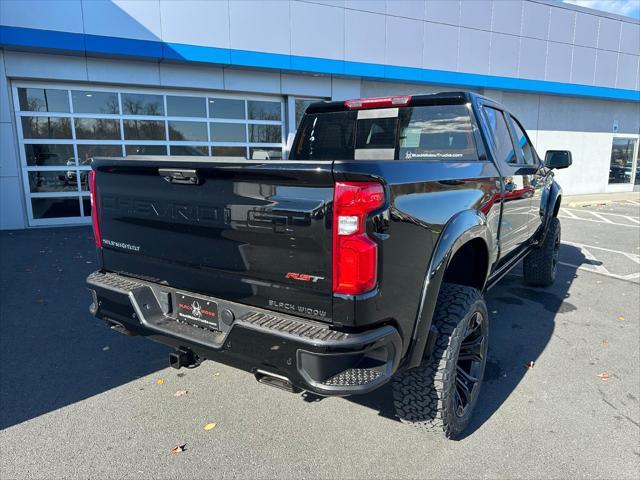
<point>355,255</point>
<point>94,209</point>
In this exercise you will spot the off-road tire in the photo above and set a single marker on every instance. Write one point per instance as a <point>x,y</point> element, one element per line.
<point>424,396</point>
<point>541,264</point>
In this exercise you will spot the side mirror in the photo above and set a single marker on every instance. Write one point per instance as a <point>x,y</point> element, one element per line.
<point>557,159</point>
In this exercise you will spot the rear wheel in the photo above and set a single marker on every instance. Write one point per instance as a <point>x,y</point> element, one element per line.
<point>440,395</point>
<point>541,264</point>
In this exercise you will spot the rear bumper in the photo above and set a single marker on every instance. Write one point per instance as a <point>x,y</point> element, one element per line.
<point>310,355</point>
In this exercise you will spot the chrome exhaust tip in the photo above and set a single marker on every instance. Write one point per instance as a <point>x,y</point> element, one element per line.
<point>277,381</point>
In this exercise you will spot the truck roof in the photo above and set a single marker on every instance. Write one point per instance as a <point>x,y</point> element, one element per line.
<point>440,98</point>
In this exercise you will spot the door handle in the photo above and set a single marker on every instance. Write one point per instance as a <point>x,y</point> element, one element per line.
<point>180,176</point>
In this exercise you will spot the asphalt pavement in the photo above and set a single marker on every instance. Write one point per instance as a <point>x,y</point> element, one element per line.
<point>80,401</point>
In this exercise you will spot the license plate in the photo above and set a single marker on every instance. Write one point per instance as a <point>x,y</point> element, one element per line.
<point>197,311</point>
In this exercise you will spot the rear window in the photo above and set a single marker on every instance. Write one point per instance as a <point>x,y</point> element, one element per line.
<point>326,136</point>
<point>434,132</point>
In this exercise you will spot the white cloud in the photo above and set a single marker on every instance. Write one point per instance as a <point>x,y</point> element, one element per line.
<point>629,8</point>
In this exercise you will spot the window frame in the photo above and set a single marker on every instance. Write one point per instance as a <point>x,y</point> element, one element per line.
<point>623,187</point>
<point>479,142</point>
<point>491,137</point>
<point>290,116</point>
<point>476,135</point>
<point>519,152</point>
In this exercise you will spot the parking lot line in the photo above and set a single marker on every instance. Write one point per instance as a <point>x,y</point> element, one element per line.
<point>601,269</point>
<point>627,278</point>
<point>571,216</point>
<point>635,258</point>
<point>568,213</point>
<point>597,215</point>
<point>632,256</point>
<point>590,256</point>
<point>618,215</point>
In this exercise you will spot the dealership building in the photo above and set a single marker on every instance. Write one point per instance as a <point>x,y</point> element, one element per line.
<point>84,78</point>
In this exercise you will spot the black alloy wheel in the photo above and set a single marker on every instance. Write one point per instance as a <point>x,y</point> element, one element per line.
<point>470,364</point>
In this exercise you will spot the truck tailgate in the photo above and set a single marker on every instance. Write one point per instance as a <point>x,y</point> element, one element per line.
<point>248,231</point>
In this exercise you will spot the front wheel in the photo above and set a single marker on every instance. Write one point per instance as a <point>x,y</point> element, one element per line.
<point>541,264</point>
<point>440,394</point>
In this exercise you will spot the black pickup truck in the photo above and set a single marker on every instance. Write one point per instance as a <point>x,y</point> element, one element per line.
<point>361,259</point>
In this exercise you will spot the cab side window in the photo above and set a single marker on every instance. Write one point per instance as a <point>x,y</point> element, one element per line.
<point>500,136</point>
<point>524,145</point>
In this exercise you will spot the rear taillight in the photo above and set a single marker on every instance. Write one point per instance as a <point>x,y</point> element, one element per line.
<point>378,102</point>
<point>94,208</point>
<point>355,255</point>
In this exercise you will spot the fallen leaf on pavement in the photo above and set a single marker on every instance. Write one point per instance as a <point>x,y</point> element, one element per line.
<point>621,318</point>
<point>180,393</point>
<point>179,448</point>
<point>210,426</point>
<point>160,381</point>
<point>603,376</point>
<point>530,365</point>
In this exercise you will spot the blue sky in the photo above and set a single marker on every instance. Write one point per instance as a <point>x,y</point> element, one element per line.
<point>628,8</point>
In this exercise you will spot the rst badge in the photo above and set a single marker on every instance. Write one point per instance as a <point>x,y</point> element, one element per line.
<point>303,277</point>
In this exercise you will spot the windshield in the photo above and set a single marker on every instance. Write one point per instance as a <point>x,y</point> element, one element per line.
<point>432,132</point>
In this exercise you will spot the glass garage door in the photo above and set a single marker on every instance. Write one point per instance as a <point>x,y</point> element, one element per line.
<point>61,128</point>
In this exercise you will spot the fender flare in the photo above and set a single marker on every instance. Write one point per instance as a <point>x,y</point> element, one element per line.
<point>548,206</point>
<point>463,227</point>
